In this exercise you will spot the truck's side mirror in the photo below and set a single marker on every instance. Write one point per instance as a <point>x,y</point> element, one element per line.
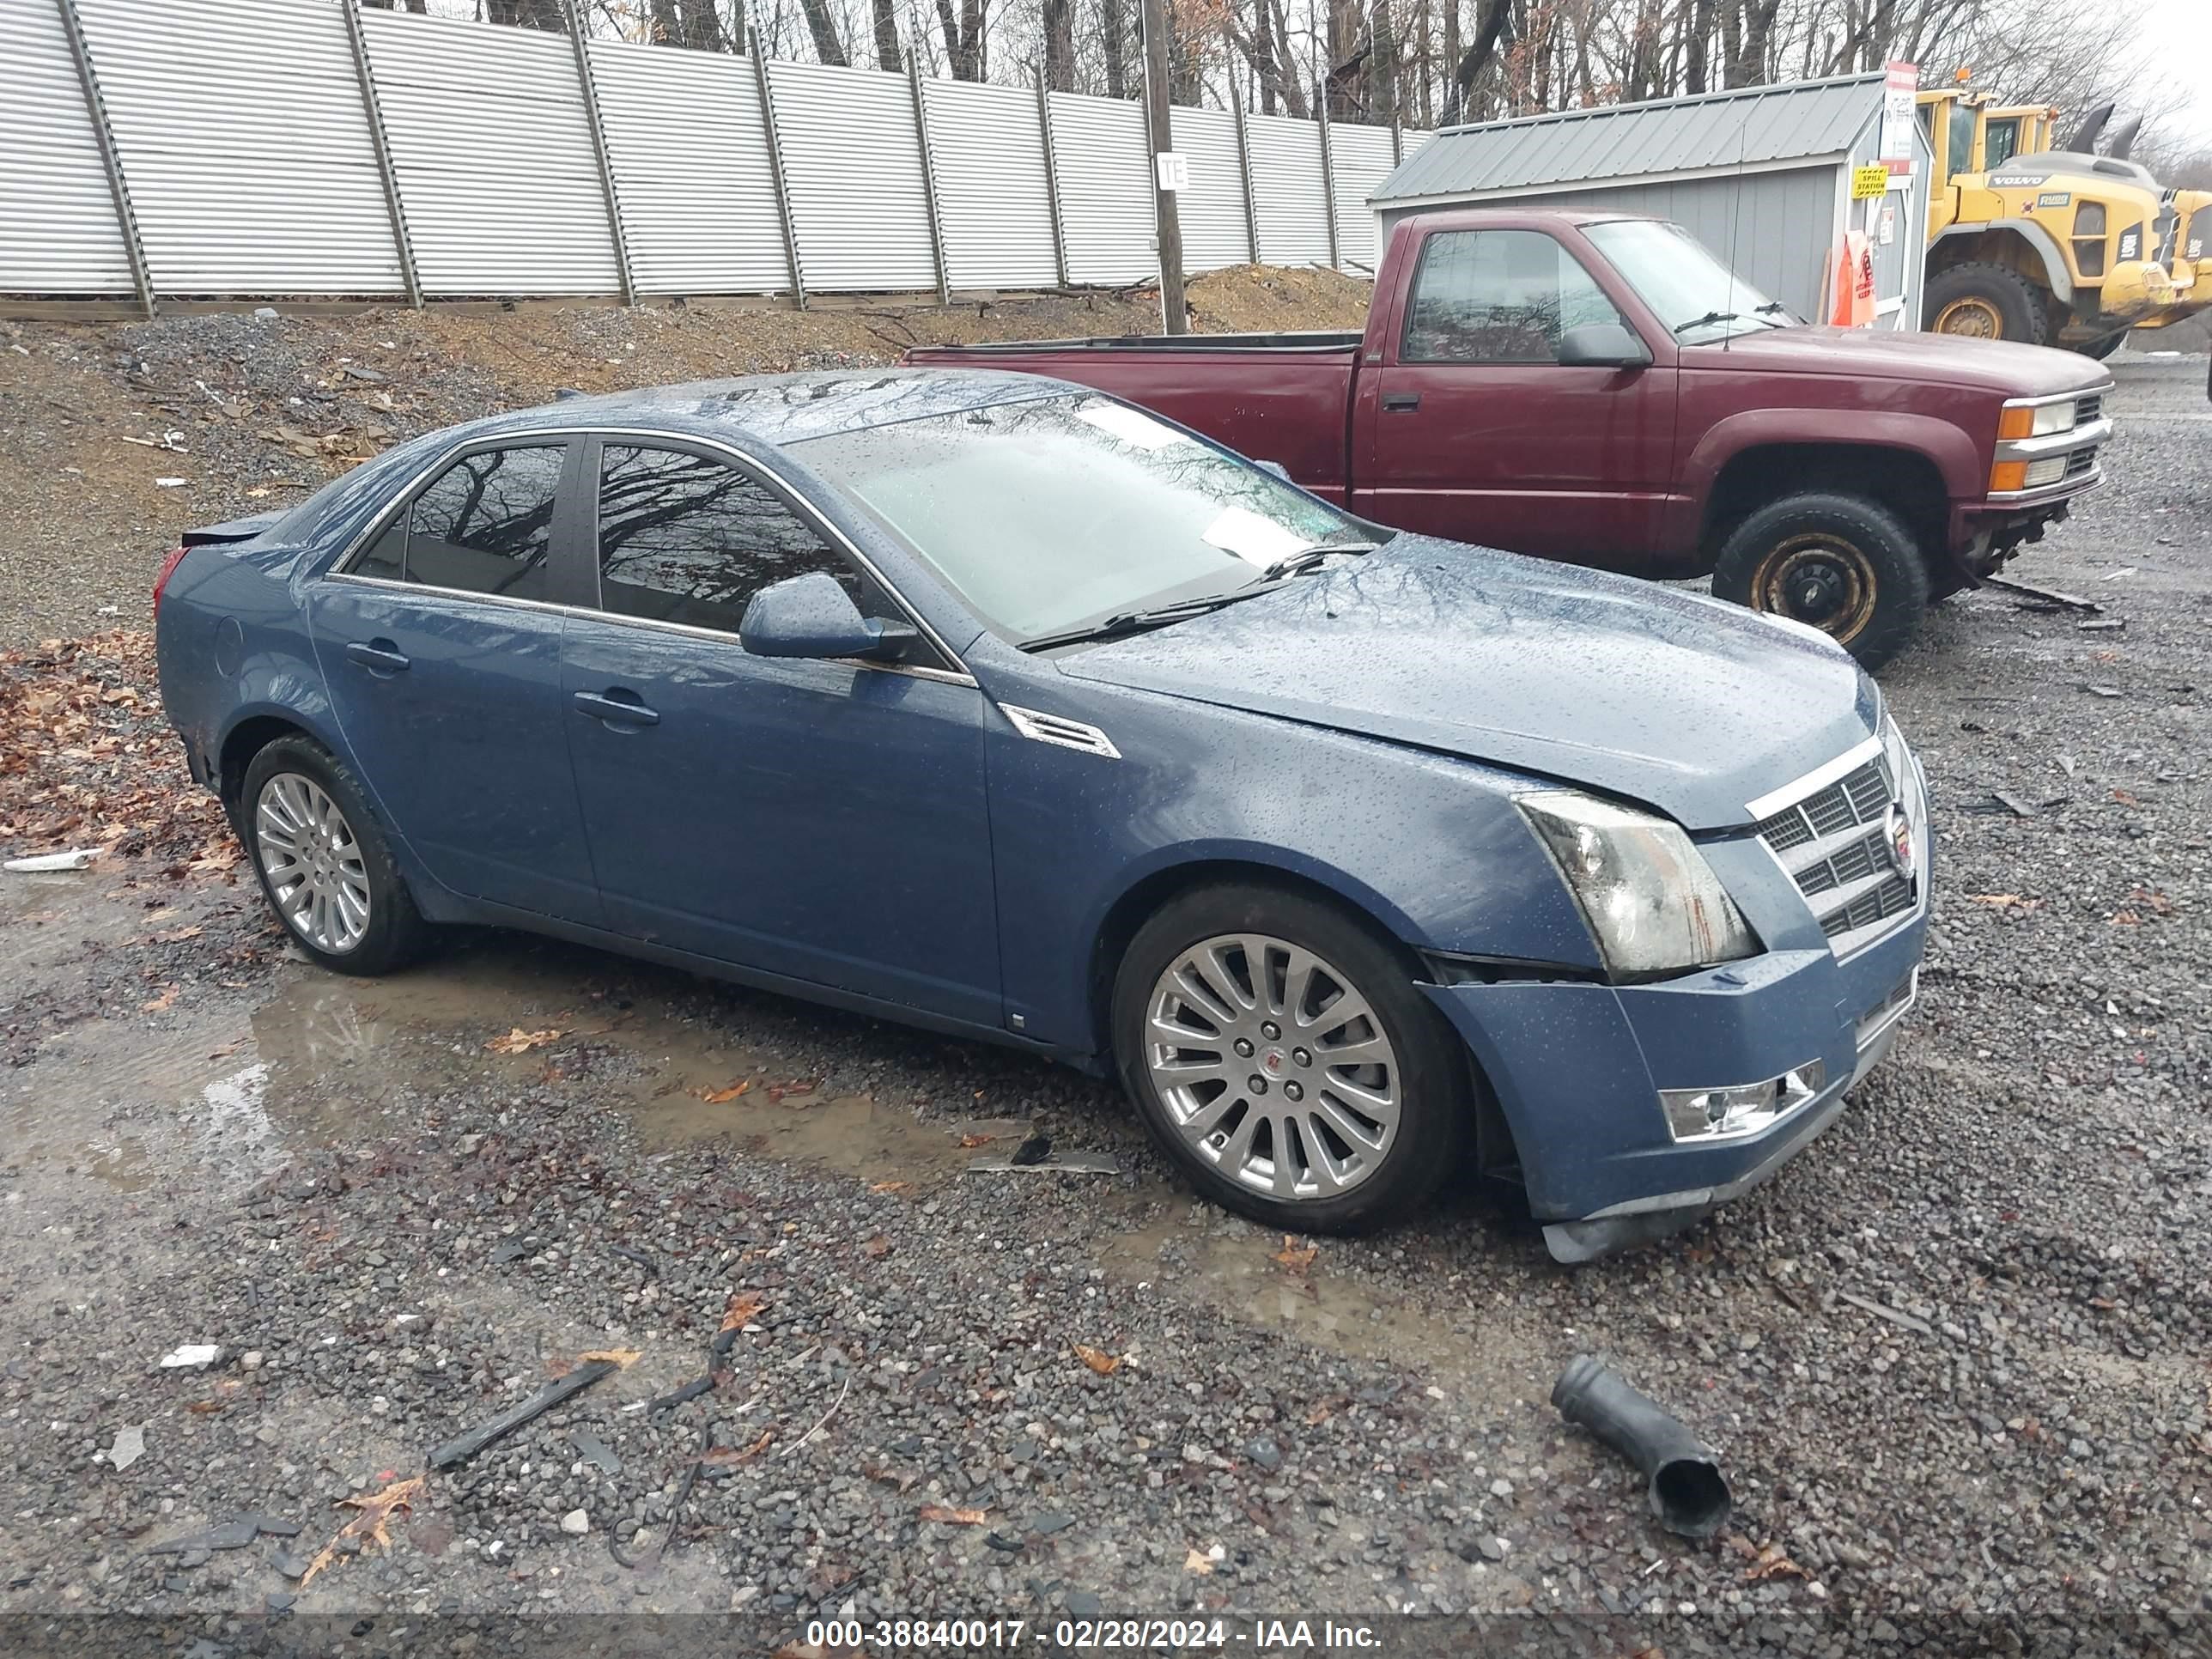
<point>1602,345</point>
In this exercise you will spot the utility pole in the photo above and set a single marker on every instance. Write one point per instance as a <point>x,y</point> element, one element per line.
<point>1160,128</point>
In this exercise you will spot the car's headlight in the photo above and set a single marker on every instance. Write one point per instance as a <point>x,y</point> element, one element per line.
<point>1649,895</point>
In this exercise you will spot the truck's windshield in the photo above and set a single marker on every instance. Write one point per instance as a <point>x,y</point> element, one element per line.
<point>1696,296</point>
<point>1056,512</point>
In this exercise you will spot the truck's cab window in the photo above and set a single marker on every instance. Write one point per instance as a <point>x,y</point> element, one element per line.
<point>1498,296</point>
<point>2000,141</point>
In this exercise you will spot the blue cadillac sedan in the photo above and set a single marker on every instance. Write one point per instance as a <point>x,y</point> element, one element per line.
<point>989,703</point>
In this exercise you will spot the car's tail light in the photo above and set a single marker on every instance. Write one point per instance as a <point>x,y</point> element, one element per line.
<point>169,564</point>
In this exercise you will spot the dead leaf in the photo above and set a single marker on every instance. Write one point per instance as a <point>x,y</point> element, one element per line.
<point>724,1457</point>
<point>1771,1563</point>
<point>952,1517</point>
<point>1196,1562</point>
<point>879,1246</point>
<point>724,1096</point>
<point>744,1307</point>
<point>890,1186</point>
<point>160,1004</point>
<point>2118,919</point>
<point>376,1509</point>
<point>969,1142</point>
<point>622,1359</point>
<point>520,1042</point>
<point>2004,900</point>
<point>1298,1260</point>
<point>898,1477</point>
<point>1100,1361</point>
<point>1327,1409</point>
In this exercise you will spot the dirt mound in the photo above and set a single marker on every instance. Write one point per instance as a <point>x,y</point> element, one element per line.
<point>114,436</point>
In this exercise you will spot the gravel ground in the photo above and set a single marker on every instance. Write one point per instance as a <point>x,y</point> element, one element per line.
<point>1953,1358</point>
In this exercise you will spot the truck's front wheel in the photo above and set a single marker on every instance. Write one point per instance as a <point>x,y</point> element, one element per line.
<point>1986,302</point>
<point>1846,565</point>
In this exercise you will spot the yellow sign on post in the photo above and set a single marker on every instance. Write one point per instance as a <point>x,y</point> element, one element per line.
<point>1867,183</point>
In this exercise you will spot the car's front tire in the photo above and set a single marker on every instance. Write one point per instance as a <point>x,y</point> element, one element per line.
<point>323,860</point>
<point>1279,1054</point>
<point>1846,565</point>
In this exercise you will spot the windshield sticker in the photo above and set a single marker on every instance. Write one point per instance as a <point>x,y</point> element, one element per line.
<point>1132,426</point>
<point>1254,540</point>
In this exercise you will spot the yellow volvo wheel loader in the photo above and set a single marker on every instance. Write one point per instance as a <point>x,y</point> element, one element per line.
<point>2054,244</point>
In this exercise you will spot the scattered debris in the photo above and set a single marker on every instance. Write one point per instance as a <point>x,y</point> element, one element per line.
<point>231,1535</point>
<point>520,1042</point>
<point>1195,1561</point>
<point>689,1391</point>
<point>172,483</point>
<point>575,1524</point>
<point>1098,1359</point>
<point>2049,596</point>
<point>952,1517</point>
<point>193,1356</point>
<point>2101,624</point>
<point>1066,1163</point>
<point>639,1257</point>
<point>823,1421</point>
<point>1770,1562</point>
<point>2114,575</point>
<point>75,859</point>
<point>367,1528</point>
<point>744,1307</point>
<point>2012,803</point>
<point>468,1445</point>
<point>1891,1314</point>
<point>2102,690</point>
<point>1685,1488</point>
<point>1035,1149</point>
<point>130,1446</point>
<point>594,1450</point>
<point>724,1096</point>
<point>728,1457</point>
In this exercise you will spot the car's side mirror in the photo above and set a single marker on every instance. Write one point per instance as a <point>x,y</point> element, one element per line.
<point>1602,345</point>
<point>813,616</point>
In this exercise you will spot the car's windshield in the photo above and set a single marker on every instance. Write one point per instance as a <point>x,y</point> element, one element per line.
<point>1696,296</point>
<point>1059,511</point>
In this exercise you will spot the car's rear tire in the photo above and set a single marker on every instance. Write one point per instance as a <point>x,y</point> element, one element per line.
<point>1268,1125</point>
<point>1984,302</point>
<point>1846,565</point>
<point>323,862</point>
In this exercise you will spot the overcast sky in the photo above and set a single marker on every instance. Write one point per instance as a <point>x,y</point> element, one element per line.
<point>2184,40</point>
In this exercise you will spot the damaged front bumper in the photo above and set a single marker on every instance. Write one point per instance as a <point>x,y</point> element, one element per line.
<point>1601,1086</point>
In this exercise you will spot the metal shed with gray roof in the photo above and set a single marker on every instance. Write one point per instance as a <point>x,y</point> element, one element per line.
<point>1762,175</point>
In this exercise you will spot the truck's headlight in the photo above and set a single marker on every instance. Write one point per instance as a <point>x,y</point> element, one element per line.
<point>1653,902</point>
<point>2037,420</point>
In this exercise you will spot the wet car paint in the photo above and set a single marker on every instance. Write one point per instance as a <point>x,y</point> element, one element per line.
<point>1362,730</point>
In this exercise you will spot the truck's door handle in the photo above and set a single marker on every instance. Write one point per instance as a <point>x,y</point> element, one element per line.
<point>380,657</point>
<point>617,706</point>
<point>1395,401</point>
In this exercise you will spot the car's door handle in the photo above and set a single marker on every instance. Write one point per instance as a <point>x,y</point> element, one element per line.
<point>380,657</point>
<point>617,707</point>
<point>1400,400</point>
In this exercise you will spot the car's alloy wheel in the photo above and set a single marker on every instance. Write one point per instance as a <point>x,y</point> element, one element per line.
<point>1273,1066</point>
<point>317,870</point>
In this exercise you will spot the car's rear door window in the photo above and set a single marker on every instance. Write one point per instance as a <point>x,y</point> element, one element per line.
<point>686,538</point>
<point>482,526</point>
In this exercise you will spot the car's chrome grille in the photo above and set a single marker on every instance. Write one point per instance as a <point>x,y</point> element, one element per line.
<point>2088,409</point>
<point>2079,461</point>
<point>1835,844</point>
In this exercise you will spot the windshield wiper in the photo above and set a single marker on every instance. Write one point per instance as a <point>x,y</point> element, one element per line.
<point>1292,564</point>
<point>1682,329</point>
<point>1136,622</point>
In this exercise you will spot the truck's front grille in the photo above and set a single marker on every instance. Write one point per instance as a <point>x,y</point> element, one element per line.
<point>1837,842</point>
<point>2088,409</point>
<point>2080,460</point>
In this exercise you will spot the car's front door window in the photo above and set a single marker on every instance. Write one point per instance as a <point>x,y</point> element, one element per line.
<point>482,526</point>
<point>683,538</point>
<point>1498,296</point>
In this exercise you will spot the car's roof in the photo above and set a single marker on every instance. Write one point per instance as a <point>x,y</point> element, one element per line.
<point>776,409</point>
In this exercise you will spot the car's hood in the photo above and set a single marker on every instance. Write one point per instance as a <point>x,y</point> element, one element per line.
<point>1635,689</point>
<point>2002,366</point>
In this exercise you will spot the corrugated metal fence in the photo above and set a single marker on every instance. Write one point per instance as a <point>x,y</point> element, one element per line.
<point>267,149</point>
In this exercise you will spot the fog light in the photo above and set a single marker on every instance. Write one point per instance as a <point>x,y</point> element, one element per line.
<point>2043,472</point>
<point>1743,1109</point>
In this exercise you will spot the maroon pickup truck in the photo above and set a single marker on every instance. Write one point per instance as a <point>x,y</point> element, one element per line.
<point>1600,388</point>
